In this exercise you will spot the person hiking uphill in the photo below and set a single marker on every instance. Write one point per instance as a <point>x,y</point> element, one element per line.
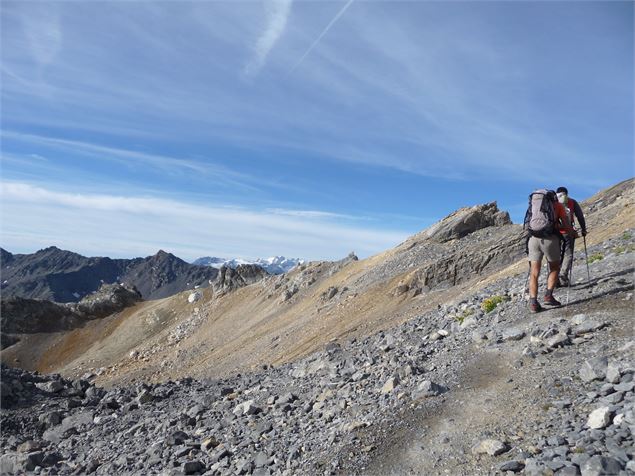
<point>568,243</point>
<point>544,220</point>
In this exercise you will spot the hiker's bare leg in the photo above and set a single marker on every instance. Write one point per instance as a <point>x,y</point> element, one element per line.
<point>554,268</point>
<point>533,278</point>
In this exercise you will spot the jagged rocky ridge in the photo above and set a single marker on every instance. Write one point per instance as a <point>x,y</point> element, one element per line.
<point>563,381</point>
<point>28,316</point>
<point>467,220</point>
<point>63,276</point>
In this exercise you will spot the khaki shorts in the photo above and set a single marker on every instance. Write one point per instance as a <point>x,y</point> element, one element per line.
<point>549,247</point>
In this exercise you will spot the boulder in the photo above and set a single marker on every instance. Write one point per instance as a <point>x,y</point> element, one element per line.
<point>427,388</point>
<point>513,465</point>
<point>594,369</point>
<point>193,467</point>
<point>52,386</point>
<point>490,446</point>
<point>599,418</point>
<point>177,438</point>
<point>193,297</point>
<point>559,340</point>
<point>513,333</point>
<point>586,326</point>
<point>613,373</point>
<point>69,425</point>
<point>20,463</point>
<point>246,408</point>
<point>145,397</point>
<point>390,385</point>
<point>601,466</point>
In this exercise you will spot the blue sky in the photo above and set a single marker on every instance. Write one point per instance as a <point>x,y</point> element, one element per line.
<point>308,129</point>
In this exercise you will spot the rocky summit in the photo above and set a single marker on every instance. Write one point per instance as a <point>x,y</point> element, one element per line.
<point>456,377</point>
<point>63,276</point>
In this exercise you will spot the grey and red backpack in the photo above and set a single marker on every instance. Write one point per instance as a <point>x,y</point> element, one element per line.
<point>540,219</point>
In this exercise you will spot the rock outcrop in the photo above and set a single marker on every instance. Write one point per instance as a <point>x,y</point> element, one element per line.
<point>463,263</point>
<point>30,316</point>
<point>27,316</point>
<point>467,220</point>
<point>110,298</point>
<point>230,279</point>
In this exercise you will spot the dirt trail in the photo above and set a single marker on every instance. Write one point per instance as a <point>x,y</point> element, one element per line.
<point>497,393</point>
<point>437,443</point>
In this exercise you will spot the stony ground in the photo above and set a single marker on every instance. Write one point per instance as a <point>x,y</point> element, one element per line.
<point>455,391</point>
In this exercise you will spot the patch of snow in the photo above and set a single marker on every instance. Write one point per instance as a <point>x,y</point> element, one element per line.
<point>273,265</point>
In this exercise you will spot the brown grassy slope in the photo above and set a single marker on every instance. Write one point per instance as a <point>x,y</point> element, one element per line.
<point>253,326</point>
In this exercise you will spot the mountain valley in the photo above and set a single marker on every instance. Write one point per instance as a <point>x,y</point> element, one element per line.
<point>420,360</point>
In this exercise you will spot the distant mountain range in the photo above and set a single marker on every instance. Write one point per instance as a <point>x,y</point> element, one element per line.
<point>273,265</point>
<point>64,276</point>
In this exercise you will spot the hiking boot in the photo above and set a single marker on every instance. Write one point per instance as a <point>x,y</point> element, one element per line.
<point>551,301</point>
<point>535,307</point>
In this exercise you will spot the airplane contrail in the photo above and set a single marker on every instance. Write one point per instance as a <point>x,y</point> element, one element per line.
<point>328,27</point>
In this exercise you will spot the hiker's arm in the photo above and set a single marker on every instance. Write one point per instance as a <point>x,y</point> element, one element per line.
<point>580,216</point>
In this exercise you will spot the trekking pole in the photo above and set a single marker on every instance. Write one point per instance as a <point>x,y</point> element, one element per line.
<point>586,256</point>
<point>570,277</point>
<point>548,269</point>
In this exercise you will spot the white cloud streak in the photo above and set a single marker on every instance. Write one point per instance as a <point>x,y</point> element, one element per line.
<point>321,35</point>
<point>131,158</point>
<point>277,13</point>
<point>102,224</point>
<point>309,213</point>
<point>43,31</point>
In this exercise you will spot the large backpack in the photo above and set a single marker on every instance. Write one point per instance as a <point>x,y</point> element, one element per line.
<point>540,219</point>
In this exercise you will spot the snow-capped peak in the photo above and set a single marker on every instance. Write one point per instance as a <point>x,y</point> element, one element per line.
<point>273,265</point>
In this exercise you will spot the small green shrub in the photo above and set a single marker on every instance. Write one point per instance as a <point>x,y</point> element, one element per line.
<point>595,257</point>
<point>618,250</point>
<point>464,315</point>
<point>489,304</point>
<point>627,235</point>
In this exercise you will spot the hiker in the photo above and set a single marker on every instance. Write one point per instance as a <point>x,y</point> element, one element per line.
<point>544,220</point>
<point>568,242</point>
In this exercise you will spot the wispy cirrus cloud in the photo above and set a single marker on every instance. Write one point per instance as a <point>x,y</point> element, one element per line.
<point>277,13</point>
<point>128,225</point>
<point>43,31</point>
<point>310,213</point>
<point>135,159</point>
<point>436,94</point>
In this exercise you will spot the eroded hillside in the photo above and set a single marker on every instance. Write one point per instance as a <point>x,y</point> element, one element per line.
<point>279,319</point>
<point>465,389</point>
